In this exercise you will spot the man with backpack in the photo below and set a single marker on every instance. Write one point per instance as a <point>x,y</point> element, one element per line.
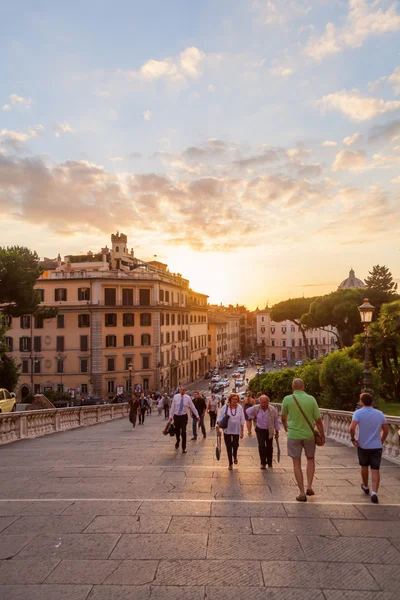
<point>267,427</point>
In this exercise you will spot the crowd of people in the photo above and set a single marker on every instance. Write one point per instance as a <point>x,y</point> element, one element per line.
<point>300,418</point>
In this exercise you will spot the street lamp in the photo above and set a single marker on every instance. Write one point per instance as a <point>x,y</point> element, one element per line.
<point>258,376</point>
<point>366,312</point>
<point>130,367</point>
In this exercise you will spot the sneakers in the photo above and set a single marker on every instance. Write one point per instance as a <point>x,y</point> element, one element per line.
<point>263,467</point>
<point>184,451</point>
<point>374,498</point>
<point>365,489</point>
<point>193,438</point>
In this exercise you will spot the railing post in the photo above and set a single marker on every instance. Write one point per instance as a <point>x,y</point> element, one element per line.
<point>23,427</point>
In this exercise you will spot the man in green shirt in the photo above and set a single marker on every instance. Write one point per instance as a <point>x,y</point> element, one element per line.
<point>300,435</point>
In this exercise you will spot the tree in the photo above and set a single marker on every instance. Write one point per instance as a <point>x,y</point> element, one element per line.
<point>341,381</point>
<point>9,370</point>
<point>381,280</point>
<point>19,270</point>
<point>293,310</point>
<point>338,309</point>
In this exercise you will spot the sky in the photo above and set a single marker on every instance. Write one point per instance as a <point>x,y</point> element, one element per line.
<point>252,145</point>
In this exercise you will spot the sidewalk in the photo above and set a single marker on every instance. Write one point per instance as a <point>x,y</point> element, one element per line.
<point>107,513</point>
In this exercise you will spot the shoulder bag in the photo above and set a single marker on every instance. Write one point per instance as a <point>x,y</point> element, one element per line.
<point>316,433</point>
<point>225,419</point>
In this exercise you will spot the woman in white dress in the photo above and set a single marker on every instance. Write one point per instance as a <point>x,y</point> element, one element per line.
<point>234,429</point>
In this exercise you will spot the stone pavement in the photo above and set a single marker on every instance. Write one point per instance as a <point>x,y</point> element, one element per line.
<point>107,513</point>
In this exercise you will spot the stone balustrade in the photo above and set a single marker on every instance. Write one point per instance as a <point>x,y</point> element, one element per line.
<point>30,424</point>
<point>337,425</point>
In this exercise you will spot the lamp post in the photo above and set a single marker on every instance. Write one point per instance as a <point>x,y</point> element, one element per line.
<point>258,376</point>
<point>130,367</point>
<point>366,312</point>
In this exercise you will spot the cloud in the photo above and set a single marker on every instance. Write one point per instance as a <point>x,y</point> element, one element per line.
<point>385,133</point>
<point>363,20</point>
<point>356,107</point>
<point>16,100</point>
<point>115,158</point>
<point>147,115</point>
<point>279,13</point>
<point>61,128</point>
<point>329,144</point>
<point>351,139</point>
<point>189,64</point>
<point>281,71</point>
<point>393,80</point>
<point>349,160</point>
<point>14,140</point>
<point>396,180</point>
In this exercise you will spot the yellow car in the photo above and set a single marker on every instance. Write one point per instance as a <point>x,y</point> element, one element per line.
<point>8,402</point>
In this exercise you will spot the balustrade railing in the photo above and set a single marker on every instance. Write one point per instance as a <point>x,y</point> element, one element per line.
<point>30,424</point>
<point>337,425</point>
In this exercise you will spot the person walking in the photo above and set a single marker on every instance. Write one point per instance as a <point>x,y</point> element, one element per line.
<point>300,435</point>
<point>212,409</point>
<point>133,410</point>
<point>180,405</point>
<point>372,432</point>
<point>160,405</point>
<point>201,406</point>
<point>234,430</point>
<point>267,427</point>
<point>248,403</point>
<point>143,406</point>
<point>166,405</point>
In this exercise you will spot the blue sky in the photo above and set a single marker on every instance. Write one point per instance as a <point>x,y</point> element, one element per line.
<point>254,146</point>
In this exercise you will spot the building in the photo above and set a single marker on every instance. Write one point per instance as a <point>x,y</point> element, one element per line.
<point>121,322</point>
<point>284,341</point>
<point>223,337</point>
<point>352,282</point>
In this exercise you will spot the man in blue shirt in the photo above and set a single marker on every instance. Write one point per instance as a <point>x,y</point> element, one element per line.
<point>372,432</point>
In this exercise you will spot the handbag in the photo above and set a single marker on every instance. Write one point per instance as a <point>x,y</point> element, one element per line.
<point>169,429</point>
<point>316,433</point>
<point>225,419</point>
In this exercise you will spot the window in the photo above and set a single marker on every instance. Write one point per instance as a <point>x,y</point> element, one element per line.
<point>111,341</point>
<point>37,343</point>
<point>145,319</point>
<point>84,293</point>
<point>283,329</point>
<point>110,387</point>
<point>262,318</point>
<point>168,337</point>
<point>161,296</point>
<point>162,339</point>
<point>38,322</point>
<point>272,342</point>
<point>144,297</point>
<point>272,329</point>
<point>167,319</point>
<point>146,384</point>
<point>84,364</point>
<point>60,322</point>
<point>145,362</point>
<point>128,319</point>
<point>187,319</point>
<point>293,342</point>
<point>40,294</point>
<point>60,366</point>
<point>332,341</point>
<point>110,319</point>
<point>293,329</point>
<point>60,343</point>
<point>25,322</point>
<point>173,336</point>
<point>25,366</point>
<point>323,341</point>
<point>179,318</point>
<point>128,340</point>
<point>128,361</point>
<point>162,320</point>
<point>284,343</point>
<point>110,364</point>
<point>262,329</point>
<point>9,343</point>
<point>84,388</point>
<point>60,295</point>
<point>173,319</point>
<point>83,320</point>
<point>84,343</point>
<point>110,296</point>
<point>37,366</point>
<point>166,296</point>
<point>25,344</point>
<point>300,342</point>
<point>127,297</point>
<point>145,339</point>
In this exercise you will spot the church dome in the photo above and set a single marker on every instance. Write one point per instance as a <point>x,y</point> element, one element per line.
<point>352,282</point>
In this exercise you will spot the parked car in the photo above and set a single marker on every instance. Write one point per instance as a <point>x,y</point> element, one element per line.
<point>236,373</point>
<point>298,363</point>
<point>229,366</point>
<point>207,375</point>
<point>92,401</point>
<point>8,402</point>
<point>225,382</point>
<point>240,383</point>
<point>217,388</point>
<point>241,370</point>
<point>215,378</point>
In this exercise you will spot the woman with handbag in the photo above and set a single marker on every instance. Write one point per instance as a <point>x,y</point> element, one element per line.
<point>133,410</point>
<point>212,410</point>
<point>231,422</point>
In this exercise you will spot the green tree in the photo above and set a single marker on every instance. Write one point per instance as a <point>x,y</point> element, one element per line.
<point>9,370</point>
<point>341,381</point>
<point>381,280</point>
<point>293,310</point>
<point>19,270</point>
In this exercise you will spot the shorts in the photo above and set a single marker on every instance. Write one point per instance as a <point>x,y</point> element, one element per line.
<point>370,457</point>
<point>294,448</point>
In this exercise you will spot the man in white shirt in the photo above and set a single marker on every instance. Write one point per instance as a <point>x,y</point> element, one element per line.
<point>181,403</point>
